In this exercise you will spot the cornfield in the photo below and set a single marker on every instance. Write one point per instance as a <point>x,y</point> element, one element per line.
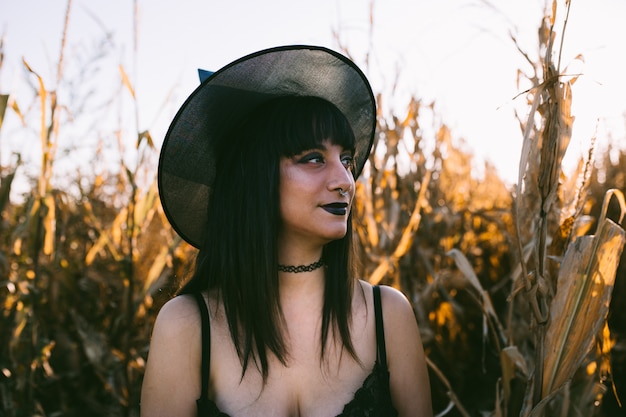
<point>518,291</point>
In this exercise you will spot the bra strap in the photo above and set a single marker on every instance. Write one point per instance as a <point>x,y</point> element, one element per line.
<point>206,347</point>
<point>380,329</point>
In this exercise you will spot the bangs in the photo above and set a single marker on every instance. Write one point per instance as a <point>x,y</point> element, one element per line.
<point>301,123</point>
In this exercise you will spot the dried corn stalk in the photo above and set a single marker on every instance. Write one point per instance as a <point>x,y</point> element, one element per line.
<point>580,307</point>
<point>406,239</point>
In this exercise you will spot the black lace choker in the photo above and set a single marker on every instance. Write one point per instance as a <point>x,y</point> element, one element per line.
<point>301,268</point>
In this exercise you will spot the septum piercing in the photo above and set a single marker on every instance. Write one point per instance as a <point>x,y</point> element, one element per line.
<point>342,192</point>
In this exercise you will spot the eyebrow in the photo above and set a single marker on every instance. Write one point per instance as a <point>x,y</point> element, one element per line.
<point>322,147</point>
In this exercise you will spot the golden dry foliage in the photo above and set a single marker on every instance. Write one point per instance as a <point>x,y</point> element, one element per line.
<point>510,292</point>
<point>411,220</point>
<point>387,211</point>
<point>81,275</point>
<point>414,212</point>
<point>565,278</point>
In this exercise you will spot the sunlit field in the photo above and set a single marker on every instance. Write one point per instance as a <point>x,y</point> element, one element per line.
<point>519,290</point>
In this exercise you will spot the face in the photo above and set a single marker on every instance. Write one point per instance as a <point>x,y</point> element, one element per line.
<point>311,186</point>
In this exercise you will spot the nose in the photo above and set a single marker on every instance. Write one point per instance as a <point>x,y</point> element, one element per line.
<point>341,178</point>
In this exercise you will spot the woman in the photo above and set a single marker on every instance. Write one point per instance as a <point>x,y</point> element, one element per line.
<point>258,171</point>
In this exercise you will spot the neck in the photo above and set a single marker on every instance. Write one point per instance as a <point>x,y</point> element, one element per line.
<point>298,253</point>
<point>302,291</point>
<point>300,272</point>
<point>297,269</point>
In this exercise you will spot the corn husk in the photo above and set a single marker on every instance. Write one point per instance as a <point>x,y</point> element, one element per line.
<point>580,306</point>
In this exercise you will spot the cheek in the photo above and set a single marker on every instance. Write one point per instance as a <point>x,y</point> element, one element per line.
<point>286,186</point>
<point>291,212</point>
<point>288,196</point>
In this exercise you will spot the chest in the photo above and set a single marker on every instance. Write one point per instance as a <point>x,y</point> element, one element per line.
<point>290,392</point>
<point>305,386</point>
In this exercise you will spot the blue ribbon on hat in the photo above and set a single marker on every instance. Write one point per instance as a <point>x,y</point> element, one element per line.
<point>204,74</point>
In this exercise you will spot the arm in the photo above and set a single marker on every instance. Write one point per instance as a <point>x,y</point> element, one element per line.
<point>410,387</point>
<point>171,383</point>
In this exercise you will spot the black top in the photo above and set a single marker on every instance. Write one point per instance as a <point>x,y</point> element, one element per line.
<point>373,399</point>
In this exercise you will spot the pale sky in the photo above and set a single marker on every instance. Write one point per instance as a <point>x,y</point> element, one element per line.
<point>456,53</point>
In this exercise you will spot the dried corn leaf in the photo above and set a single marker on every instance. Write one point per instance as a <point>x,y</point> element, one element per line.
<point>17,111</point>
<point>5,187</point>
<point>406,239</point>
<point>159,263</point>
<point>49,225</point>
<point>25,233</point>
<point>512,362</point>
<point>4,99</point>
<point>107,236</point>
<point>466,268</point>
<point>579,309</point>
<point>43,96</point>
<point>146,206</point>
<point>147,137</point>
<point>527,142</point>
<point>94,344</point>
<point>126,81</point>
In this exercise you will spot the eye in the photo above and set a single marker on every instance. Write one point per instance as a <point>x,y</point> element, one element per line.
<point>347,161</point>
<point>311,158</point>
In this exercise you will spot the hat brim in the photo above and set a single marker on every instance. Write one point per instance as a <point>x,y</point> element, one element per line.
<point>187,162</point>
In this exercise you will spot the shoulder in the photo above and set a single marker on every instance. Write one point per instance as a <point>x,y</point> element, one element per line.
<point>394,303</point>
<point>399,320</point>
<point>409,382</point>
<point>181,310</point>
<point>174,355</point>
<point>400,325</point>
<point>178,320</point>
<point>178,329</point>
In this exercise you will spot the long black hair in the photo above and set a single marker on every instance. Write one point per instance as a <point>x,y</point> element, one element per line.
<point>239,258</point>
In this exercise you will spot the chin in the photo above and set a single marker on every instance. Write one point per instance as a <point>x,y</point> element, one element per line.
<point>336,235</point>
